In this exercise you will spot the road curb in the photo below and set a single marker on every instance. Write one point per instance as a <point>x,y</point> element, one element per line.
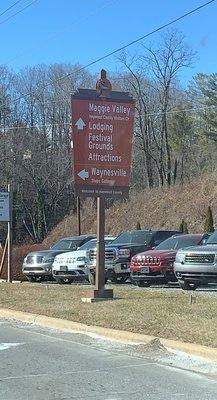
<point>114,334</point>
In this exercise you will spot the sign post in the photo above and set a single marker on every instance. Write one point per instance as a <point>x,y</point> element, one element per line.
<point>100,259</point>
<point>6,216</point>
<point>102,130</point>
<point>10,235</point>
<point>79,215</point>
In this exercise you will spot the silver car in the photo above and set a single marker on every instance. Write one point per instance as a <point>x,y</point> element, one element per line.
<point>37,266</point>
<point>195,266</point>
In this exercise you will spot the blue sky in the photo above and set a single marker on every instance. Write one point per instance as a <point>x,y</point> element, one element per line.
<point>53,31</point>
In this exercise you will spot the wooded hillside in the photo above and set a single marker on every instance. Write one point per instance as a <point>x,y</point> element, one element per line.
<point>154,208</point>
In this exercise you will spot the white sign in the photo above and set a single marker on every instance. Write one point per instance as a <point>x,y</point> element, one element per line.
<point>4,207</point>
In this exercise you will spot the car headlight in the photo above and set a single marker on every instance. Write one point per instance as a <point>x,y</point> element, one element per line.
<point>48,260</point>
<point>124,252</point>
<point>180,257</point>
<point>81,259</point>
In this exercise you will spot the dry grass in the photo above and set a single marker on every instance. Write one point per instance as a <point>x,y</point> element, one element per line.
<point>153,208</point>
<point>164,314</point>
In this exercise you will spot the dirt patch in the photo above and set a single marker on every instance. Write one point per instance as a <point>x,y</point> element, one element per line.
<point>154,345</point>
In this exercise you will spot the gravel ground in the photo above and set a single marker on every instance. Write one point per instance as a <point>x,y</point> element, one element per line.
<point>210,290</point>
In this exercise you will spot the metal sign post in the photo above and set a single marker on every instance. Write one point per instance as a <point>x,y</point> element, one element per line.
<point>6,216</point>
<point>10,236</point>
<point>100,259</point>
<point>102,129</point>
<point>79,215</point>
<point>100,291</point>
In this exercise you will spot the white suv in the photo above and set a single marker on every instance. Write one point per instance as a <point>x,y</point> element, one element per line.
<point>70,267</point>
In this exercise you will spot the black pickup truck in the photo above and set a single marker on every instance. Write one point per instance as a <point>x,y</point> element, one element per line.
<point>120,251</point>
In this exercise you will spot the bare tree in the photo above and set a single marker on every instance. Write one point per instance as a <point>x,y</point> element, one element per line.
<point>164,63</point>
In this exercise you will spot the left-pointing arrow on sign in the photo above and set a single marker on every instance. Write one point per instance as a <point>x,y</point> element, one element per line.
<point>83,174</point>
<point>80,124</point>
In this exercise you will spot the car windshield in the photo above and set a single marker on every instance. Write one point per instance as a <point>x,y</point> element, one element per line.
<point>88,245</point>
<point>177,243</point>
<point>138,237</point>
<point>92,244</point>
<point>212,239</point>
<point>67,244</point>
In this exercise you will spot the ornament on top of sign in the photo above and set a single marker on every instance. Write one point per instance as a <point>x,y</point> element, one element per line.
<point>103,86</point>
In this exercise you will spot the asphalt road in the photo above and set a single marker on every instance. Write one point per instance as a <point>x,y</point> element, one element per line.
<point>43,364</point>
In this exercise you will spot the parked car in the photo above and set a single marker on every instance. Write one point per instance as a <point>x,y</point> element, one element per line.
<point>156,266</point>
<point>37,266</point>
<point>118,254</point>
<point>69,267</point>
<point>197,266</point>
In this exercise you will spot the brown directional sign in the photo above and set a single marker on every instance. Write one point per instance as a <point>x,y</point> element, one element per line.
<point>102,132</point>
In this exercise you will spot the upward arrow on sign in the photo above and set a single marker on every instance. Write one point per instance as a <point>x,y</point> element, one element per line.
<point>80,124</point>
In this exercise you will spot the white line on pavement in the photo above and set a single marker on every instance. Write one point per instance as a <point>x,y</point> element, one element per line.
<point>77,372</point>
<point>5,346</point>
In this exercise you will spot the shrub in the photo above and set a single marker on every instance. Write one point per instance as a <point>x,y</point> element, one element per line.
<point>18,254</point>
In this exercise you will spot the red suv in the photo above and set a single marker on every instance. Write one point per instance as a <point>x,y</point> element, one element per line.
<point>156,266</point>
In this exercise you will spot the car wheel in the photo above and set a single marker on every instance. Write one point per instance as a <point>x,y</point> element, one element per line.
<point>188,285</point>
<point>31,278</point>
<point>141,283</point>
<point>35,278</point>
<point>170,278</point>
<point>62,281</point>
<point>91,279</point>
<point>135,283</point>
<point>40,278</point>
<point>118,279</point>
<point>144,283</point>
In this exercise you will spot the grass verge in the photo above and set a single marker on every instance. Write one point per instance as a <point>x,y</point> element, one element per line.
<point>152,312</point>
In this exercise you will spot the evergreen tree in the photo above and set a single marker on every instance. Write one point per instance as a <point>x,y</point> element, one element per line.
<point>208,226</point>
<point>183,226</point>
<point>138,226</point>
